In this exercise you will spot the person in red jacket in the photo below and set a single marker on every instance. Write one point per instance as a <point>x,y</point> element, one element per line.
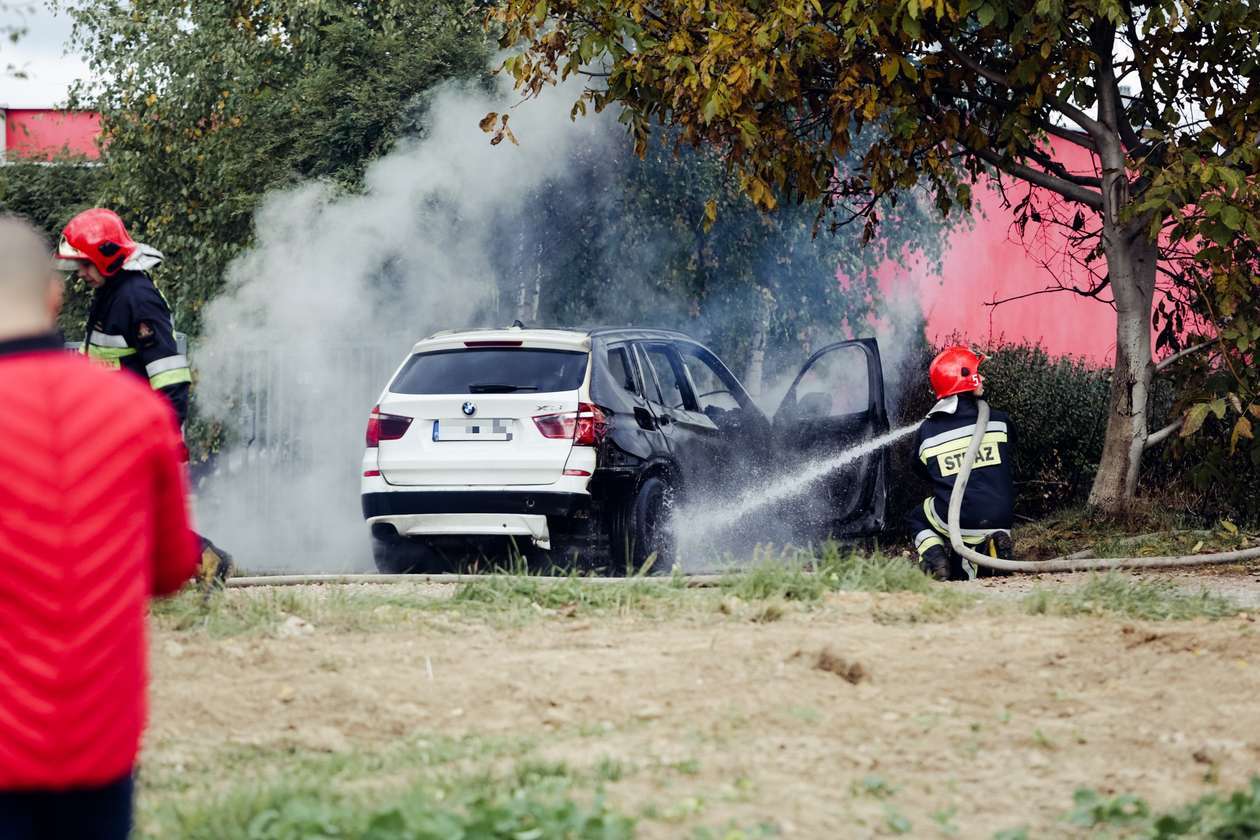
<point>93,522</point>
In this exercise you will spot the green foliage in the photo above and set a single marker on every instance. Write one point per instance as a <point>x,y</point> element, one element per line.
<point>806,575</point>
<point>48,195</point>
<point>940,94</point>
<point>1118,594</point>
<point>208,105</point>
<point>1216,816</point>
<point>527,804</point>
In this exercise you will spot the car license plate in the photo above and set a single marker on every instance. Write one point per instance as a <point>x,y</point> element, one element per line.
<point>483,429</point>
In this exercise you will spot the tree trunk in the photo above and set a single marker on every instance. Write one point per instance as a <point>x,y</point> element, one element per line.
<point>753,380</point>
<point>1131,262</point>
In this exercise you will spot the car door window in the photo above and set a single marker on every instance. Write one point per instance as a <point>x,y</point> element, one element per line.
<point>714,394</point>
<point>673,392</point>
<point>836,383</point>
<point>622,372</point>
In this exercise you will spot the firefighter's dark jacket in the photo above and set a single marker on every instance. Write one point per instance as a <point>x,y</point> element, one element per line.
<point>130,328</point>
<point>940,445</point>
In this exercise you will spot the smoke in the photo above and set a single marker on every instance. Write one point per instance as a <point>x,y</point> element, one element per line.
<point>447,232</point>
<point>323,307</point>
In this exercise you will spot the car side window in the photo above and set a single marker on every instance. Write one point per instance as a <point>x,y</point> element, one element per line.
<point>835,384</point>
<point>622,372</point>
<point>714,393</point>
<point>673,393</point>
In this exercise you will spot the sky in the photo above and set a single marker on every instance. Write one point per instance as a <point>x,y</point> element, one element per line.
<point>42,55</point>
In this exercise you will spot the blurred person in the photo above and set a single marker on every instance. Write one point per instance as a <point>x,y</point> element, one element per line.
<point>129,325</point>
<point>93,522</point>
<point>988,506</point>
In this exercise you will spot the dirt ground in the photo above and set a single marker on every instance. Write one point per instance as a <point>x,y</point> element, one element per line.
<point>964,727</point>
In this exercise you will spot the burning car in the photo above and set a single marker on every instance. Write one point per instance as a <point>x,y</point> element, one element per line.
<point>580,443</point>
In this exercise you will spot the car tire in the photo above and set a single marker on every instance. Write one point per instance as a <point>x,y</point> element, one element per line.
<point>650,531</point>
<point>401,556</point>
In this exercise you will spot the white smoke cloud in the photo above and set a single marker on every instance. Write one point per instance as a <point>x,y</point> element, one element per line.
<point>317,314</point>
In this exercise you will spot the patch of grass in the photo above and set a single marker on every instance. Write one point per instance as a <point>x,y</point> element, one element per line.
<point>806,575</point>
<point>571,594</point>
<point>1217,816</point>
<point>776,581</point>
<point>1118,594</point>
<point>505,811</point>
<point>428,788</point>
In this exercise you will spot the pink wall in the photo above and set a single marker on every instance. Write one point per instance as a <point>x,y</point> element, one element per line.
<point>42,133</point>
<point>991,262</point>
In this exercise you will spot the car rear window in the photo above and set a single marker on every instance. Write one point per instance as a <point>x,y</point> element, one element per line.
<point>495,370</point>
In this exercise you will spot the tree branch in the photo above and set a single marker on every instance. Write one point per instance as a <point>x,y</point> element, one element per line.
<point>1070,191</point>
<point>1093,127</point>
<point>1057,168</point>
<point>1156,438</point>
<point>1175,357</point>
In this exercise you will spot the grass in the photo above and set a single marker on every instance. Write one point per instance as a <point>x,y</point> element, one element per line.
<point>776,581</point>
<point>1118,594</point>
<point>429,786</point>
<point>531,805</point>
<point>1221,816</point>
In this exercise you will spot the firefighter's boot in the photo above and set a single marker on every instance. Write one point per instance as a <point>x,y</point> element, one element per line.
<point>935,562</point>
<point>999,546</point>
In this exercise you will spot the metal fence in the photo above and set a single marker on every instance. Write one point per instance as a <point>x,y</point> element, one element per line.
<point>285,488</point>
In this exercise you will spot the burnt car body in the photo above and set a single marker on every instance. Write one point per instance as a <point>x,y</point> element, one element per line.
<point>677,429</point>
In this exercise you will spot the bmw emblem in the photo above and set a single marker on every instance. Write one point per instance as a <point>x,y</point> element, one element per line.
<point>470,409</point>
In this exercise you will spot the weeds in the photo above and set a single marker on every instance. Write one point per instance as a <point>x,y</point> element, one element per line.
<point>1118,594</point>
<point>1221,817</point>
<point>451,793</point>
<point>775,581</point>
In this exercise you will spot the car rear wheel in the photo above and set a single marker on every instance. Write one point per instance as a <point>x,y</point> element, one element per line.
<point>395,555</point>
<point>650,527</point>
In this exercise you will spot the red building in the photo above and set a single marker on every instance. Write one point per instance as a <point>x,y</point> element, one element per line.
<point>991,262</point>
<point>48,133</point>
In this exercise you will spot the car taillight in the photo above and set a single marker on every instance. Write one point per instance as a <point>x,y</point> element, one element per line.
<point>586,426</point>
<point>385,426</point>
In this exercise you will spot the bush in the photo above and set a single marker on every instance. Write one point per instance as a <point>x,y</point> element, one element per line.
<point>1058,408</point>
<point>47,196</point>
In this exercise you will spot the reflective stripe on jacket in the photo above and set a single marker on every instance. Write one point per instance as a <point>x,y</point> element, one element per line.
<point>130,328</point>
<point>940,445</point>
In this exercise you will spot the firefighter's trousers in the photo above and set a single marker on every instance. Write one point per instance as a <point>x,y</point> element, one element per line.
<point>931,534</point>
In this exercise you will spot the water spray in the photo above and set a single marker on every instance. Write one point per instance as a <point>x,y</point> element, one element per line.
<point>721,516</point>
<point>1070,563</point>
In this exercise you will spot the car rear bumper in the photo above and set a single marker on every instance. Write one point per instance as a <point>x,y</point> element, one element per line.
<point>410,503</point>
<point>472,513</point>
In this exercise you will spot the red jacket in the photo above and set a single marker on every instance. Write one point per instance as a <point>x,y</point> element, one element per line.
<point>93,521</point>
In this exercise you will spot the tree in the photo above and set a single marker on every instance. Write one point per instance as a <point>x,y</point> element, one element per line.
<point>641,246</point>
<point>48,194</point>
<point>946,91</point>
<point>206,106</point>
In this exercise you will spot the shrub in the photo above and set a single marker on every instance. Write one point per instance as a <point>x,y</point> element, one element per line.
<point>1058,408</point>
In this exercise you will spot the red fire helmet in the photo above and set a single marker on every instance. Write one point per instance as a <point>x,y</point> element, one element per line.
<point>97,236</point>
<point>955,371</point>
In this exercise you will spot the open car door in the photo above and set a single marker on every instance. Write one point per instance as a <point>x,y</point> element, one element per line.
<point>837,401</point>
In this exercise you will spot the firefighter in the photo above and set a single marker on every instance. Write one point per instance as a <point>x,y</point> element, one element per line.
<point>942,441</point>
<point>129,325</point>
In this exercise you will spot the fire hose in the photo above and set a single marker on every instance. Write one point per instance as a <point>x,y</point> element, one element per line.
<point>1069,563</point>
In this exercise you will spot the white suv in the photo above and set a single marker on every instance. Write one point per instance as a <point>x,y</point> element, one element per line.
<point>576,442</point>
